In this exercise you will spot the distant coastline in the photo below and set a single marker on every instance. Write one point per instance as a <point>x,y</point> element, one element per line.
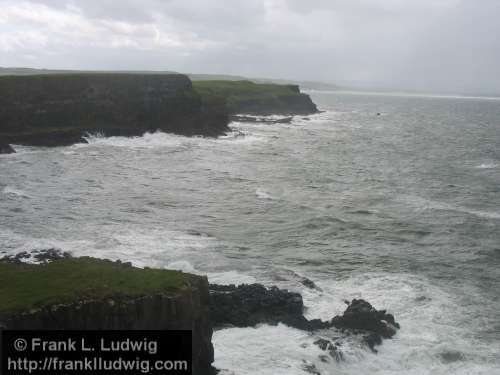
<point>58,108</point>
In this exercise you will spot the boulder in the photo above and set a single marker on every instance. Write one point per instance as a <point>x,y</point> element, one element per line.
<point>361,315</point>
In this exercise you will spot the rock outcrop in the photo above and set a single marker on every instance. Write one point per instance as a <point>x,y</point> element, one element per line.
<point>53,110</point>
<point>185,311</point>
<point>176,308</point>
<point>5,148</point>
<point>249,305</point>
<point>298,104</point>
<point>248,97</point>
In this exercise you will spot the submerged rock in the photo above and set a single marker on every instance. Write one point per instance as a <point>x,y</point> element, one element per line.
<point>310,368</point>
<point>333,349</point>
<point>308,283</point>
<point>5,148</point>
<point>451,356</point>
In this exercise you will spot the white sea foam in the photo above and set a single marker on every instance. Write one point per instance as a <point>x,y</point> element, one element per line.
<point>230,277</point>
<point>13,192</point>
<point>242,135</point>
<point>421,204</point>
<point>487,166</point>
<point>264,350</point>
<point>432,330</point>
<point>262,194</point>
<point>149,248</point>
<point>159,140</point>
<point>148,140</point>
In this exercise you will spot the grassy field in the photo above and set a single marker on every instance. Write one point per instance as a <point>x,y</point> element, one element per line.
<point>24,287</point>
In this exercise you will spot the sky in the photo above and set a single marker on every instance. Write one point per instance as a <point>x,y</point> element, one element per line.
<point>417,45</point>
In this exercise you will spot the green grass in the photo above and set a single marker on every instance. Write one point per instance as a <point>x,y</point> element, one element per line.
<point>24,287</point>
<point>242,88</point>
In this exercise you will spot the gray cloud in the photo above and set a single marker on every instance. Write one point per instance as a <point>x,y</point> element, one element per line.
<point>439,45</point>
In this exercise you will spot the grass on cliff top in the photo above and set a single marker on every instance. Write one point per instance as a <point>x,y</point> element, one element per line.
<point>24,287</point>
<point>242,89</point>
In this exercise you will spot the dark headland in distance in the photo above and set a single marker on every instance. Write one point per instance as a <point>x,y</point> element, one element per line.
<point>57,108</point>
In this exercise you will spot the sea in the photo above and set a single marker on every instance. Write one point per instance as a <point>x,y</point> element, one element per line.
<point>392,198</point>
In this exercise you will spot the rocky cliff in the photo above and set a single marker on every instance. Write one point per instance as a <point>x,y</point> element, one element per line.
<point>246,97</point>
<point>90,294</point>
<point>52,110</point>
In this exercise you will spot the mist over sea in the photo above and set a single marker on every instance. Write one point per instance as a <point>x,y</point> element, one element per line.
<point>395,199</point>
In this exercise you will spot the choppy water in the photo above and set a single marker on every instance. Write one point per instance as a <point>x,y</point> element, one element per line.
<point>402,209</point>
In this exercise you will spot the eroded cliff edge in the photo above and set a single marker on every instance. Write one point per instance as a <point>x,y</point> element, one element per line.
<point>55,110</point>
<point>93,294</point>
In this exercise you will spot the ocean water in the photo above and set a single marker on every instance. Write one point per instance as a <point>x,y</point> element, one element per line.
<point>401,208</point>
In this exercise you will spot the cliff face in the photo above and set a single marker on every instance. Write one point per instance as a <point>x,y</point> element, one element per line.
<point>187,310</point>
<point>246,97</point>
<point>299,104</point>
<point>51,110</point>
<point>93,294</point>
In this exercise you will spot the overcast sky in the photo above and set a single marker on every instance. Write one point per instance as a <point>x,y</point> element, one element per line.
<point>430,45</point>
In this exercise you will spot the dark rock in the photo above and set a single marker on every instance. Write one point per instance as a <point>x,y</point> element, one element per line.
<point>5,148</point>
<point>248,305</point>
<point>363,316</point>
<point>451,356</point>
<point>422,299</point>
<point>50,255</point>
<point>323,358</point>
<point>323,343</point>
<point>58,110</point>
<point>309,284</point>
<point>16,258</point>
<point>333,350</point>
<point>36,256</point>
<point>310,368</point>
<point>373,339</point>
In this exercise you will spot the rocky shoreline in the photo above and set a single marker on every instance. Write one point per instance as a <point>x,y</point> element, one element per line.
<point>201,308</point>
<point>249,305</point>
<point>60,109</point>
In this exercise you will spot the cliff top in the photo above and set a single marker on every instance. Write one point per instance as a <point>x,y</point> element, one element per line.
<point>243,88</point>
<point>26,286</point>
